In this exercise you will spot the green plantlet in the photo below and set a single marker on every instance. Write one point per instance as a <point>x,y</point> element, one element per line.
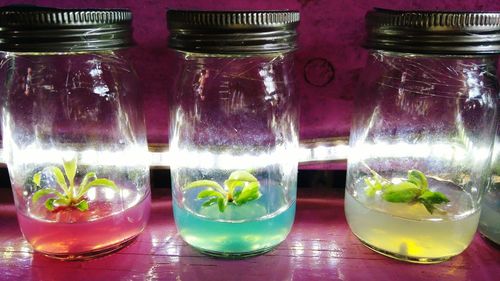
<point>241,187</point>
<point>403,192</point>
<point>374,184</point>
<point>414,189</point>
<point>431,198</point>
<point>69,195</point>
<point>419,179</point>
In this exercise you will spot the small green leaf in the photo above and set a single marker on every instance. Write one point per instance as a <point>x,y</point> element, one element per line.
<point>434,197</point>
<point>209,193</point>
<point>205,183</point>
<point>102,182</point>
<point>86,178</point>
<point>250,197</point>
<point>250,192</point>
<point>403,192</point>
<point>49,204</point>
<point>70,170</point>
<point>98,183</point>
<point>210,202</point>
<point>42,192</point>
<point>237,194</point>
<point>82,206</point>
<point>242,176</point>
<point>37,178</point>
<point>222,204</point>
<point>239,179</point>
<point>63,201</point>
<point>373,185</point>
<point>232,184</point>
<point>60,178</point>
<point>419,179</point>
<point>428,206</point>
<point>431,198</point>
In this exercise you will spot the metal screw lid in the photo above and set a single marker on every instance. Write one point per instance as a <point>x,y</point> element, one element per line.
<point>237,32</point>
<point>40,29</point>
<point>427,32</point>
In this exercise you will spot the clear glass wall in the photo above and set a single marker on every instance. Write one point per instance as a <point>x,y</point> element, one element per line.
<point>74,140</point>
<point>233,143</point>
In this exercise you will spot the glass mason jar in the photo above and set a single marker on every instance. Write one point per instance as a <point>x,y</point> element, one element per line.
<point>234,130</point>
<point>423,127</point>
<point>73,135</point>
<point>489,222</point>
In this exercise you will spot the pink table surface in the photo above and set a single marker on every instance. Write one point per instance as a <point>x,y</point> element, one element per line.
<point>320,247</point>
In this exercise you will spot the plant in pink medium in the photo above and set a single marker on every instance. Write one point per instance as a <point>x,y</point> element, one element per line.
<point>68,195</point>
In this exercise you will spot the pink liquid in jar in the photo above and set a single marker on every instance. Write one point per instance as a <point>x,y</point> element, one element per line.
<point>68,231</point>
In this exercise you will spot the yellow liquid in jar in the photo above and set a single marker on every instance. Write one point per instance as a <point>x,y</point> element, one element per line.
<point>408,232</point>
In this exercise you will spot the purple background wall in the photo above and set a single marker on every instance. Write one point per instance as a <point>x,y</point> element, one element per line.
<point>328,62</point>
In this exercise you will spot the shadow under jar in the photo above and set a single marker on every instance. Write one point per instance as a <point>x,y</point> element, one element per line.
<point>73,135</point>
<point>234,130</point>
<point>423,127</point>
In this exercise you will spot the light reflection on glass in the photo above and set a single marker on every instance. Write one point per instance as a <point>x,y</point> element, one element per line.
<point>306,154</point>
<point>133,156</point>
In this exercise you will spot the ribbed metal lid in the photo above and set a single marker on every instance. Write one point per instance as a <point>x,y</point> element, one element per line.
<point>40,29</point>
<point>236,32</point>
<point>433,32</point>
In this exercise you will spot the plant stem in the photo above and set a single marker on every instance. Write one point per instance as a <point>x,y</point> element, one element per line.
<point>206,183</point>
<point>71,191</point>
<point>375,173</point>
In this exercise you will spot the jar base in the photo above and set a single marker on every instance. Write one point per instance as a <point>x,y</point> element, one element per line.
<point>235,256</point>
<point>91,254</point>
<point>405,258</point>
<point>490,241</point>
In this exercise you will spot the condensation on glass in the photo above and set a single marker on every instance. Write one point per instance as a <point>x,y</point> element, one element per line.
<point>234,130</point>
<point>423,127</point>
<point>489,222</point>
<point>73,134</point>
